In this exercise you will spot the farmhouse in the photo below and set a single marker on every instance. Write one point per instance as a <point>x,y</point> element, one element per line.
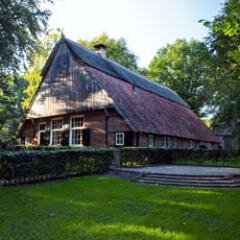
<point>85,99</point>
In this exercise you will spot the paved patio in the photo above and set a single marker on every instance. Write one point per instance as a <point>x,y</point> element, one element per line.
<point>185,170</point>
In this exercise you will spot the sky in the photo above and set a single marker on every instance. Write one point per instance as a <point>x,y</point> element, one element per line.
<point>147,25</point>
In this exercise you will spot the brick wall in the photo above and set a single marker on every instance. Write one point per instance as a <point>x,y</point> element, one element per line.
<point>94,120</point>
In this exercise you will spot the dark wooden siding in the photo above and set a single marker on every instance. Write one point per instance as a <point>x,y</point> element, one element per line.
<point>67,88</point>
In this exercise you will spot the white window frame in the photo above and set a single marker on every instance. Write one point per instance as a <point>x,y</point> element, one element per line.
<point>210,146</point>
<point>174,142</point>
<point>168,142</point>
<point>152,139</point>
<point>55,130</point>
<point>75,128</point>
<point>190,144</point>
<point>40,131</point>
<point>164,142</point>
<point>123,139</point>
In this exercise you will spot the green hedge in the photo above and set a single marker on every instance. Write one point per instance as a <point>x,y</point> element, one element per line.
<point>217,162</point>
<point>30,166</point>
<point>140,156</point>
<point>48,147</point>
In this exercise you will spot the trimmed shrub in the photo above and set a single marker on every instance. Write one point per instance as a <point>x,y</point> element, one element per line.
<point>140,156</point>
<point>31,166</point>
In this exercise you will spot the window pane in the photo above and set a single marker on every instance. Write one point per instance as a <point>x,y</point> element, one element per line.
<point>77,137</point>
<point>119,138</point>
<point>56,137</point>
<point>150,140</point>
<point>168,142</point>
<point>77,122</point>
<point>162,141</point>
<point>57,124</point>
<point>174,143</point>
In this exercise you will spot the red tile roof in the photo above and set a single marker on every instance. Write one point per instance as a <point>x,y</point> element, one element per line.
<point>150,113</point>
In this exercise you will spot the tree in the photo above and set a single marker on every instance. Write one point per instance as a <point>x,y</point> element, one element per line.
<point>10,107</point>
<point>37,60</point>
<point>117,50</point>
<point>224,42</point>
<point>21,23</point>
<point>185,67</point>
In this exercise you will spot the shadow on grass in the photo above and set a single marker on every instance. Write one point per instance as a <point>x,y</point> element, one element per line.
<point>106,208</point>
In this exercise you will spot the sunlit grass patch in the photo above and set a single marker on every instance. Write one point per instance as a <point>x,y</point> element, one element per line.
<point>106,208</point>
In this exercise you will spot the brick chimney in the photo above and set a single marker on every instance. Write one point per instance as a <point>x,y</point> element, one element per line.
<point>100,49</point>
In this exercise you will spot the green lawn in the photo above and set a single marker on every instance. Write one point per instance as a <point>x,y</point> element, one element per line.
<point>106,208</point>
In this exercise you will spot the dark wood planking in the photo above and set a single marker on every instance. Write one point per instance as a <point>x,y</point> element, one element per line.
<point>67,88</point>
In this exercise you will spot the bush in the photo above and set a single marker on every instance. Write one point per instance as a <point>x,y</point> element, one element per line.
<point>31,166</point>
<point>140,156</point>
<point>221,162</point>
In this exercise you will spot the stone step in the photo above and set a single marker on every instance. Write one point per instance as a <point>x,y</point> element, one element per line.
<point>206,180</point>
<point>189,184</point>
<point>218,181</point>
<point>179,176</point>
<point>199,177</point>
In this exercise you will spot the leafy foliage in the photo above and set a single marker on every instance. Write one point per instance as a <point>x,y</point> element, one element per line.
<point>224,41</point>
<point>117,50</point>
<point>140,156</point>
<point>27,166</point>
<point>185,67</point>
<point>11,96</point>
<point>37,60</point>
<point>21,22</point>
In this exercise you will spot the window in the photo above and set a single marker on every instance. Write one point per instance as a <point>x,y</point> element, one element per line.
<point>120,139</point>
<point>168,142</point>
<point>180,143</point>
<point>76,133</point>
<point>150,140</point>
<point>174,142</point>
<point>77,122</point>
<point>56,131</point>
<point>190,144</point>
<point>41,133</point>
<point>210,146</point>
<point>163,142</point>
<point>22,141</point>
<point>57,124</point>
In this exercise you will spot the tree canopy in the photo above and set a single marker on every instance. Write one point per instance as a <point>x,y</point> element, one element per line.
<point>185,67</point>
<point>21,24</point>
<point>224,42</point>
<point>117,50</point>
<point>37,60</point>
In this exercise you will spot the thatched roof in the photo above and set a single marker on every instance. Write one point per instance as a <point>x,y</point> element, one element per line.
<point>94,60</point>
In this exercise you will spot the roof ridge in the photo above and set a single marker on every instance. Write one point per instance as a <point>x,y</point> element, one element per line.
<point>115,69</point>
<point>141,76</point>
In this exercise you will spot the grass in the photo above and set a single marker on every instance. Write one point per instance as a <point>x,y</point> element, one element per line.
<point>221,162</point>
<point>101,208</point>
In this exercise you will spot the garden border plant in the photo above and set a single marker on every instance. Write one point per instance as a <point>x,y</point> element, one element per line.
<point>142,156</point>
<point>17,167</point>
